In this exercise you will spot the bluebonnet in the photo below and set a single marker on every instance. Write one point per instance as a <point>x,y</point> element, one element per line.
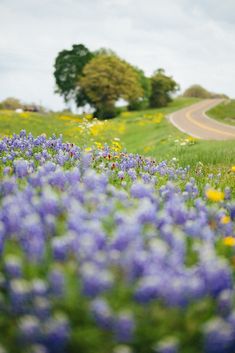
<point>131,236</point>
<point>21,168</point>
<point>218,337</point>
<point>124,327</point>
<point>56,331</point>
<point>102,313</point>
<point>29,329</point>
<point>167,345</point>
<point>56,281</point>
<point>13,266</point>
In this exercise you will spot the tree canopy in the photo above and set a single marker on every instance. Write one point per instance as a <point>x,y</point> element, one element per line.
<point>145,83</point>
<point>101,78</point>
<point>11,103</point>
<point>197,91</point>
<point>162,88</point>
<point>106,79</point>
<point>69,66</point>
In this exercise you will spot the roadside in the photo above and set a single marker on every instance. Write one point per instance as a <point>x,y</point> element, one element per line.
<point>195,122</point>
<point>224,112</point>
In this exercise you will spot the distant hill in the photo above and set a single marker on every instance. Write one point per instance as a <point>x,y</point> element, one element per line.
<point>198,91</point>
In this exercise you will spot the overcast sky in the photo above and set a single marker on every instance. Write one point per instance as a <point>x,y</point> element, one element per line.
<point>193,40</point>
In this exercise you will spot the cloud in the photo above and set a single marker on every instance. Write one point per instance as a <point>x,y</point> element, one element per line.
<point>194,42</point>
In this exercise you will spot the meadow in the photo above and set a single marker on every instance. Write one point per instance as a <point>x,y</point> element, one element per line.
<point>118,237</point>
<point>147,133</point>
<point>224,112</point>
<point>155,135</point>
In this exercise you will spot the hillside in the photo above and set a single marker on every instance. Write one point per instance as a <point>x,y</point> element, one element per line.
<point>224,112</point>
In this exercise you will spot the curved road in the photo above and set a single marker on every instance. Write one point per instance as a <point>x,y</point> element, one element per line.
<point>194,122</point>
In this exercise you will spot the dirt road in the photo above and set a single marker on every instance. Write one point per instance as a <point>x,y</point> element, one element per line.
<point>194,121</point>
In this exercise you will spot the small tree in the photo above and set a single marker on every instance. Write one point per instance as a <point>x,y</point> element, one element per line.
<point>69,66</point>
<point>11,104</point>
<point>162,87</point>
<point>197,91</point>
<point>106,79</point>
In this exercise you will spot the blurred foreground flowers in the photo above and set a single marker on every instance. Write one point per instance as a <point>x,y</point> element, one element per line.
<point>104,251</point>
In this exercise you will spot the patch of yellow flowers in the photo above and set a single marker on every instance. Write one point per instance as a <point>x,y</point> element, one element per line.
<point>214,195</point>
<point>225,220</point>
<point>188,141</point>
<point>151,119</point>
<point>126,114</point>
<point>229,241</point>
<point>116,146</point>
<point>70,119</point>
<point>24,115</point>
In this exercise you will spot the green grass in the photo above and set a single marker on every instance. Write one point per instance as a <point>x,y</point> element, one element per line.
<point>139,132</point>
<point>224,112</point>
<point>162,138</point>
<point>167,142</point>
<point>11,122</point>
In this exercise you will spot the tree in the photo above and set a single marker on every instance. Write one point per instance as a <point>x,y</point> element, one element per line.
<point>145,83</point>
<point>197,91</point>
<point>69,66</point>
<point>104,51</point>
<point>11,104</point>
<point>106,79</point>
<point>162,87</point>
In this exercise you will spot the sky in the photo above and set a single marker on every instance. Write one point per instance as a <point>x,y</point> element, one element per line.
<point>193,40</point>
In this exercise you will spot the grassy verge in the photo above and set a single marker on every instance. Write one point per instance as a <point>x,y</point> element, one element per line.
<point>224,112</point>
<point>148,133</point>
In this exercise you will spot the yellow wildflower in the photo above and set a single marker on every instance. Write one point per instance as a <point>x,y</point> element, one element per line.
<point>24,115</point>
<point>225,219</point>
<point>233,168</point>
<point>142,122</point>
<point>98,145</point>
<point>97,127</point>
<point>147,148</point>
<point>116,146</point>
<point>191,138</point>
<point>126,114</point>
<point>229,241</point>
<point>64,117</point>
<point>214,195</point>
<point>89,116</point>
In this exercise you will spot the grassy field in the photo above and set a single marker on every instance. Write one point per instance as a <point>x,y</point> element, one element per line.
<point>147,133</point>
<point>72,126</point>
<point>106,251</point>
<point>74,226</point>
<point>224,112</point>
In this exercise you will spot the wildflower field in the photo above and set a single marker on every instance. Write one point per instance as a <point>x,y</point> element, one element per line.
<point>147,133</point>
<point>109,251</point>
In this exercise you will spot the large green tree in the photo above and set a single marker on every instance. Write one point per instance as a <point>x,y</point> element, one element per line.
<point>106,79</point>
<point>145,83</point>
<point>162,88</point>
<point>68,71</point>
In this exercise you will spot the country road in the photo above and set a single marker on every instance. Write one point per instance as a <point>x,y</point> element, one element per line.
<point>194,121</point>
